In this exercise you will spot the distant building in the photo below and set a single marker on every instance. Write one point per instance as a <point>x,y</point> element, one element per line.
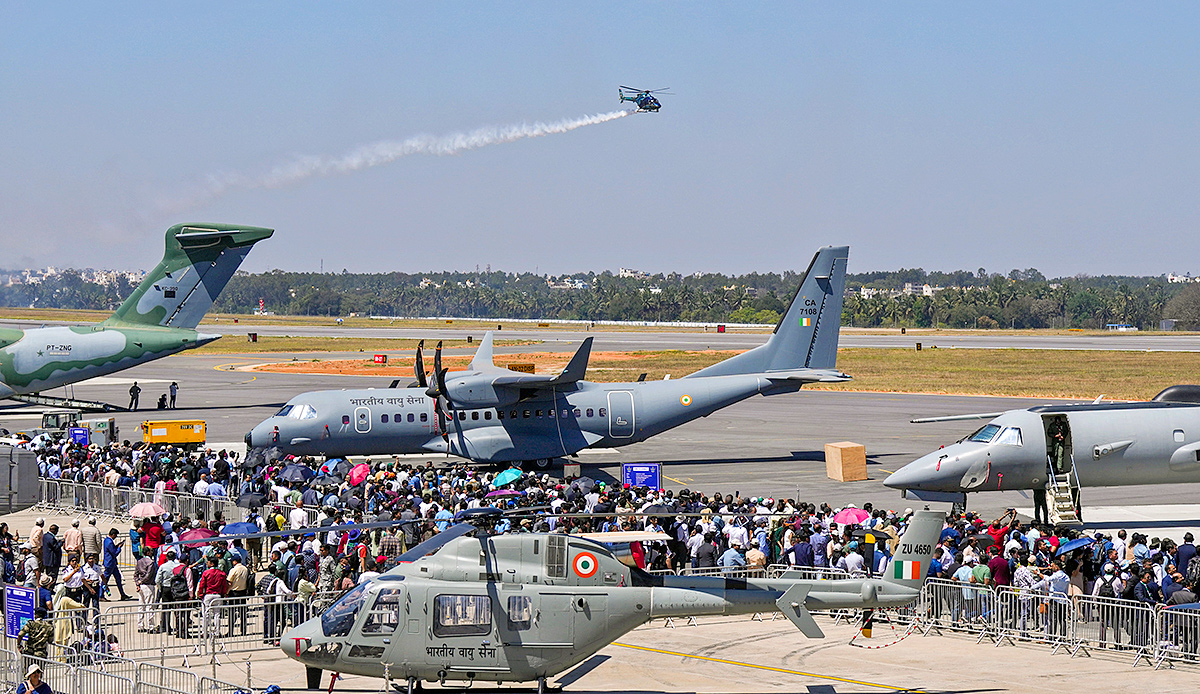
<point>631,273</point>
<point>1182,279</point>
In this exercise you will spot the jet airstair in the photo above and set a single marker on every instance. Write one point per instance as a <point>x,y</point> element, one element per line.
<point>1062,490</point>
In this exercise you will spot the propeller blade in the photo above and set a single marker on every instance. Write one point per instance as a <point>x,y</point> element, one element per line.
<point>420,366</point>
<point>438,387</point>
<point>441,384</point>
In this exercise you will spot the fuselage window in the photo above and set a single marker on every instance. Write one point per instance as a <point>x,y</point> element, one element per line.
<point>339,618</point>
<point>520,612</point>
<point>552,413</point>
<point>985,434</point>
<point>345,419</point>
<point>500,414</point>
<point>590,412</point>
<point>513,414</point>
<point>385,613</point>
<point>539,414</point>
<point>1011,436</point>
<point>487,414</point>
<point>411,418</point>
<point>603,412</point>
<point>475,415</point>
<point>398,418</point>
<point>424,417</point>
<point>577,413</point>
<point>525,414</point>
<point>383,418</point>
<point>463,615</point>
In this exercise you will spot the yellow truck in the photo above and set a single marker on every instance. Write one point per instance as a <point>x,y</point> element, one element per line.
<point>185,433</point>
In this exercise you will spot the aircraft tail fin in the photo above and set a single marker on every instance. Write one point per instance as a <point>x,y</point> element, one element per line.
<point>197,264</point>
<point>807,335</point>
<point>911,563</point>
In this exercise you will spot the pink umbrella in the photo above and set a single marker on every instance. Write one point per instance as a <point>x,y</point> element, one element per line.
<point>146,509</point>
<point>851,516</point>
<point>196,536</point>
<point>358,473</point>
<point>503,492</point>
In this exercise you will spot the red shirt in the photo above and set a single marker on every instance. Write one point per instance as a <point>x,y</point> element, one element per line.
<point>154,535</point>
<point>997,535</point>
<point>212,581</point>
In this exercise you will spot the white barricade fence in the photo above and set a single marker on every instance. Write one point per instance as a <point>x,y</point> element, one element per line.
<point>1026,615</point>
<point>167,629</point>
<point>1178,636</point>
<point>92,681</point>
<point>154,679</point>
<point>1115,624</point>
<point>958,606</point>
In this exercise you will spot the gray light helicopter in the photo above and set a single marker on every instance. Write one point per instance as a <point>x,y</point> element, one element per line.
<point>469,605</point>
<point>490,414</point>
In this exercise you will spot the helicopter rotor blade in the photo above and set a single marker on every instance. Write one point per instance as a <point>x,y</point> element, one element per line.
<point>420,367</point>
<point>629,88</point>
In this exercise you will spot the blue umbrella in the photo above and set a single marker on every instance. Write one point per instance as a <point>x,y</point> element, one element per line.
<point>242,528</point>
<point>1073,545</point>
<point>509,475</point>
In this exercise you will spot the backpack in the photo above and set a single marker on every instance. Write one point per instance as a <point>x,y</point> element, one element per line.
<point>179,585</point>
<point>272,526</point>
<point>1106,588</point>
<point>1130,586</point>
<point>1192,574</point>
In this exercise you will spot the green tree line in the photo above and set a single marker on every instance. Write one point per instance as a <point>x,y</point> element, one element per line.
<point>964,299</point>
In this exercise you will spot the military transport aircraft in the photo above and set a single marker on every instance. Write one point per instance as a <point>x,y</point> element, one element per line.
<point>158,319</point>
<point>493,415</point>
<point>471,606</point>
<point>1057,449</point>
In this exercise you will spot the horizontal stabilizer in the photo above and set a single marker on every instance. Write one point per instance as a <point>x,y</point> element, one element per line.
<point>575,370</point>
<point>809,376</point>
<point>791,604</point>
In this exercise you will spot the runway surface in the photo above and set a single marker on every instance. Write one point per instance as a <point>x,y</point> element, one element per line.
<point>763,446</point>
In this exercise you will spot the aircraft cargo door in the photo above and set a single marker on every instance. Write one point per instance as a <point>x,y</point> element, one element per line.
<point>620,414</point>
<point>554,621</point>
<point>362,420</point>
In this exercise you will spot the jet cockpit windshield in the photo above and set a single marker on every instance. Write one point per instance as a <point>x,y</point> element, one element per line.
<point>985,434</point>
<point>338,620</point>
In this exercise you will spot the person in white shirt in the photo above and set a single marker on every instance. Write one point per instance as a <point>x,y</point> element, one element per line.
<point>298,518</point>
<point>201,486</point>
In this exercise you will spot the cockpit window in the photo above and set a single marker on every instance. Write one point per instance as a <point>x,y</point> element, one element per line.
<point>299,412</point>
<point>1011,436</point>
<point>985,435</point>
<point>385,612</point>
<point>284,412</point>
<point>338,620</point>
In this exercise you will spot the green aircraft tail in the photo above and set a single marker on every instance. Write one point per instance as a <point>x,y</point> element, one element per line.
<point>197,264</point>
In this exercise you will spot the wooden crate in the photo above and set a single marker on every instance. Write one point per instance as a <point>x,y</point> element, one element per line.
<point>846,461</point>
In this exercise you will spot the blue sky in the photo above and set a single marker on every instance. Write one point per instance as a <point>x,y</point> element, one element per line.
<point>1060,136</point>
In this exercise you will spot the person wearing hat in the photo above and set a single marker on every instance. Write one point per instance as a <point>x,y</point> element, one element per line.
<point>35,635</point>
<point>33,683</point>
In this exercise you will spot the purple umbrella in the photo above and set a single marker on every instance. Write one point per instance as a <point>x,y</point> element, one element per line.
<point>503,492</point>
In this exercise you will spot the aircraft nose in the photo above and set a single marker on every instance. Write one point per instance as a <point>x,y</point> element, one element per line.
<point>301,639</point>
<point>923,473</point>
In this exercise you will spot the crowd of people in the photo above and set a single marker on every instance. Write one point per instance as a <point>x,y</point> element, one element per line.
<point>717,531</point>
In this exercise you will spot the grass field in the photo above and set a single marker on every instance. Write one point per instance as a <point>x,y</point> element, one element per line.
<point>238,344</point>
<point>1011,372</point>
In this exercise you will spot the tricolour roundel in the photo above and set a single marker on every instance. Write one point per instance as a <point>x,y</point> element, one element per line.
<point>585,565</point>
<point>685,400</point>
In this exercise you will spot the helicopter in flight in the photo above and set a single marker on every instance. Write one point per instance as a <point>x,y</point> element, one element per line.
<point>469,605</point>
<point>644,98</point>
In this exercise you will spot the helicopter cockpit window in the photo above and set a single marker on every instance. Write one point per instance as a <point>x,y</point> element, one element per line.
<point>556,556</point>
<point>1011,436</point>
<point>462,615</point>
<point>520,612</point>
<point>985,435</point>
<point>338,620</point>
<point>385,613</point>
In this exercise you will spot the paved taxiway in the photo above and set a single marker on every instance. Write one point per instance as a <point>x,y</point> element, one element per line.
<point>763,446</point>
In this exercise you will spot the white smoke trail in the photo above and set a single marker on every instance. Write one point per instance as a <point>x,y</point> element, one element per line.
<point>379,153</point>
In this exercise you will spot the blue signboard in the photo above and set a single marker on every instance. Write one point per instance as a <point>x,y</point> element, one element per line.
<point>79,435</point>
<point>642,475</point>
<point>18,608</point>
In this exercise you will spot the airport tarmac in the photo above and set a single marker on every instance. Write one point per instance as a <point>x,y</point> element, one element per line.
<point>762,446</point>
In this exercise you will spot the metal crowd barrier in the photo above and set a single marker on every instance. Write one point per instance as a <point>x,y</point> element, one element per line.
<point>957,606</point>
<point>115,675</point>
<point>1025,615</point>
